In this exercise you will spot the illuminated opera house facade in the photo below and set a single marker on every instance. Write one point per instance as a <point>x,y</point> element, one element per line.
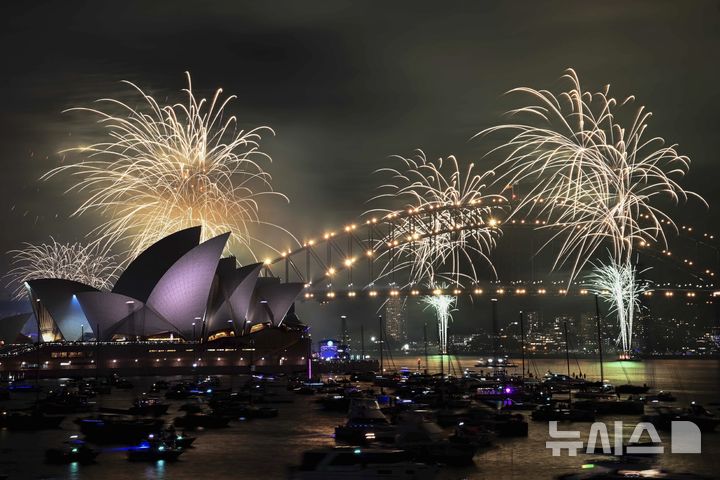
<point>178,304</point>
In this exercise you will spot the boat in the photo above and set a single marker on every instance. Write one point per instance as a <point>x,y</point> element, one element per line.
<point>501,423</point>
<point>64,401</point>
<point>201,420</point>
<point>159,385</point>
<point>353,463</point>
<point>152,450</point>
<point>631,389</point>
<point>608,404</point>
<point>424,440</point>
<point>662,417</point>
<point>366,422</point>
<point>661,396</point>
<point>142,406</point>
<point>35,420</point>
<point>75,450</point>
<point>171,437</point>
<point>562,413</point>
<point>105,428</point>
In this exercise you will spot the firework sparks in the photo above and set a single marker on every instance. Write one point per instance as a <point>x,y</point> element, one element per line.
<point>620,287</point>
<point>447,243</point>
<point>443,306</point>
<point>88,264</point>
<point>165,168</point>
<point>595,181</point>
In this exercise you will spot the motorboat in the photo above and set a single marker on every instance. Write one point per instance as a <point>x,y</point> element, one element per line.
<point>662,417</point>
<point>142,406</point>
<point>152,450</point>
<point>29,421</point>
<point>609,404</point>
<point>501,423</point>
<point>366,422</point>
<point>426,441</point>
<point>354,463</point>
<point>64,401</point>
<point>160,385</point>
<point>74,450</point>
<point>201,420</point>
<point>171,437</point>
<point>661,396</point>
<point>105,428</point>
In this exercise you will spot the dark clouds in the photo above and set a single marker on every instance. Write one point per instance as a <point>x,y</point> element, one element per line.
<point>344,84</point>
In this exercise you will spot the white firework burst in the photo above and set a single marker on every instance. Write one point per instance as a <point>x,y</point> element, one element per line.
<point>620,287</point>
<point>595,181</point>
<point>445,225</point>
<point>89,264</point>
<point>166,168</point>
<point>443,306</point>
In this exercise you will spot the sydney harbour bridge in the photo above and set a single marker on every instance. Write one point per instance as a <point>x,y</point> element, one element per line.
<point>362,258</point>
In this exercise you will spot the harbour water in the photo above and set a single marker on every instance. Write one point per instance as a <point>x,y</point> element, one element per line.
<point>263,449</point>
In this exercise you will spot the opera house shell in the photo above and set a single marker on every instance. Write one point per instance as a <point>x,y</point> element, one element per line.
<point>177,289</point>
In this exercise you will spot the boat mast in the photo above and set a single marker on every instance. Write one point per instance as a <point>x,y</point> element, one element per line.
<point>599,335</point>
<point>380,324</point>
<point>427,365</point>
<point>522,343</point>
<point>567,349</point>
<point>362,342</point>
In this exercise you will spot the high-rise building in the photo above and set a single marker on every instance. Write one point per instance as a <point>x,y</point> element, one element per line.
<point>395,321</point>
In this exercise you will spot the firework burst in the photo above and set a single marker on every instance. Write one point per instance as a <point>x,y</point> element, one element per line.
<point>443,306</point>
<point>454,232</point>
<point>595,181</point>
<point>165,168</point>
<point>620,287</point>
<point>89,264</point>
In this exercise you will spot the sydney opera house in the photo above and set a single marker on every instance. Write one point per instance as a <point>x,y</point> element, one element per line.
<point>178,304</point>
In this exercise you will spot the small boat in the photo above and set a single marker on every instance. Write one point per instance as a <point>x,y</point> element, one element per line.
<point>631,389</point>
<point>366,423</point>
<point>353,463</point>
<point>561,413</point>
<point>171,437</point>
<point>152,450</point>
<point>663,417</point>
<point>661,396</point>
<point>201,420</point>
<point>425,441</point>
<point>123,384</point>
<point>149,406</point>
<point>143,406</point>
<point>64,401</point>
<point>106,428</point>
<point>609,404</point>
<point>502,424</point>
<point>35,420</point>
<point>159,385</point>
<point>75,450</point>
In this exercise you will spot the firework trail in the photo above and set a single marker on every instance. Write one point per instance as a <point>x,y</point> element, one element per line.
<point>166,168</point>
<point>620,287</point>
<point>89,264</point>
<point>443,306</point>
<point>459,232</point>
<point>595,181</point>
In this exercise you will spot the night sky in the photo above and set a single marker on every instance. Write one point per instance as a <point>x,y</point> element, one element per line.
<point>344,85</point>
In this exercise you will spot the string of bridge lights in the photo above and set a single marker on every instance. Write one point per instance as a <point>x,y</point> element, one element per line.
<point>493,223</point>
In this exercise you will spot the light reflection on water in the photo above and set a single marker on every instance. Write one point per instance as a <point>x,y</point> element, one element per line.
<point>263,449</point>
